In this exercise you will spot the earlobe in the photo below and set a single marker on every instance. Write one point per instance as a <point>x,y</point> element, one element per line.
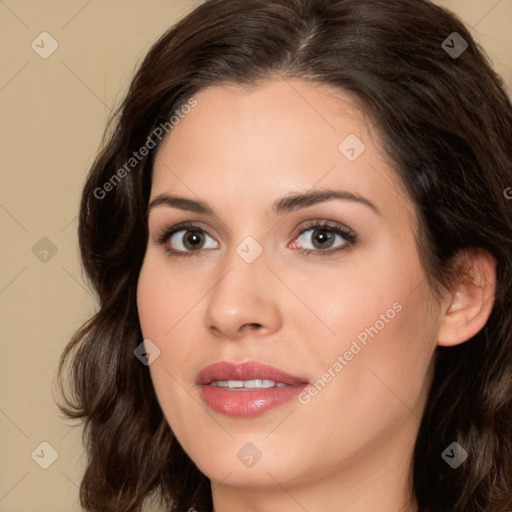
<point>471,298</point>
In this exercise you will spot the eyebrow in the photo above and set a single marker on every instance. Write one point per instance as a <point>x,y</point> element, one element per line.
<point>289,203</point>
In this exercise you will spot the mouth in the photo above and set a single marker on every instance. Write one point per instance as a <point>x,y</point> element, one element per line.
<point>247,389</point>
<point>243,385</point>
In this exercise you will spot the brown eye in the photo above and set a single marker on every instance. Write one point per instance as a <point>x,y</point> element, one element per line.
<point>322,238</point>
<point>325,238</point>
<point>189,240</point>
<point>185,240</point>
<point>192,240</point>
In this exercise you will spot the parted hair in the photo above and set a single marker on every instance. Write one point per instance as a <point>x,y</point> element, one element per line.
<point>445,123</point>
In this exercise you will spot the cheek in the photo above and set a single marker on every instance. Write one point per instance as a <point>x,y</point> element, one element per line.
<point>162,297</point>
<point>379,295</point>
<point>165,303</point>
<point>385,337</point>
<point>380,360</point>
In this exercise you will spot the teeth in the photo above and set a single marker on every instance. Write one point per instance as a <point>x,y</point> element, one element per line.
<point>258,383</point>
<point>228,383</point>
<point>248,384</point>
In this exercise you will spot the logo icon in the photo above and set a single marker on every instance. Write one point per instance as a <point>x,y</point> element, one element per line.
<point>249,455</point>
<point>44,45</point>
<point>454,455</point>
<point>44,250</point>
<point>454,45</point>
<point>44,455</point>
<point>249,249</point>
<point>147,352</point>
<point>352,147</point>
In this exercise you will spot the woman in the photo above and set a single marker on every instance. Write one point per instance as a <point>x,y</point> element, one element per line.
<point>301,241</point>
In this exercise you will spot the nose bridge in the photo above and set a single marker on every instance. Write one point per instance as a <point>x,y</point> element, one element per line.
<point>242,295</point>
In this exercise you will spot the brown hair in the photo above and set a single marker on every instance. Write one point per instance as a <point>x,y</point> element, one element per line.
<point>445,123</point>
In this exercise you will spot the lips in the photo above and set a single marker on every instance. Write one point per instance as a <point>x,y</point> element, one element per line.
<point>247,389</point>
<point>223,371</point>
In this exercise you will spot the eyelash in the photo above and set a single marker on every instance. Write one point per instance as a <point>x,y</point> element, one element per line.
<point>349,236</point>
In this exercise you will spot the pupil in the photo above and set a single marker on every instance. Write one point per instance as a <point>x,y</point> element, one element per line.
<point>323,236</point>
<point>193,240</point>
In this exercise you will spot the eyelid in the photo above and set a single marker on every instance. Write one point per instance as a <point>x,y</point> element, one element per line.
<point>326,224</point>
<point>164,234</point>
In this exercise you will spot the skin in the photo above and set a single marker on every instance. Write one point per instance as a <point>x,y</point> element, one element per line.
<point>350,447</point>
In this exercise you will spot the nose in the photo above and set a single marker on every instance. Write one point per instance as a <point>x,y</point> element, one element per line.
<point>244,301</point>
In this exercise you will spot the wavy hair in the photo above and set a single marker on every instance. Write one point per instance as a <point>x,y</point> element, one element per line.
<point>445,123</point>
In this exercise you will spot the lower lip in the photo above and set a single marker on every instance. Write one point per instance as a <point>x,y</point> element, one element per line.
<point>247,402</point>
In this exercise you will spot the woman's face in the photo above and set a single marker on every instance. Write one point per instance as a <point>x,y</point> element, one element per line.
<point>353,317</point>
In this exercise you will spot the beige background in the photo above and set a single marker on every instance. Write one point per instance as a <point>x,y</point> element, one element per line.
<point>53,114</point>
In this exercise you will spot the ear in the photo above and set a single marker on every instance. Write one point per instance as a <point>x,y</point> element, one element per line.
<point>469,302</point>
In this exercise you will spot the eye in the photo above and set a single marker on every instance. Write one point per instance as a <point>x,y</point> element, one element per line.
<point>188,239</point>
<point>185,239</point>
<point>324,236</point>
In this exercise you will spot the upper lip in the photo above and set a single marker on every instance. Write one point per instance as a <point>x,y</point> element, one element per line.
<point>249,370</point>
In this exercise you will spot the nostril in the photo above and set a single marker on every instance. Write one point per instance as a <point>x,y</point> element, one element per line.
<point>252,326</point>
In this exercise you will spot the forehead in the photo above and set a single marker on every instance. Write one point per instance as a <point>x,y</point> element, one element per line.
<point>298,118</point>
<point>256,143</point>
